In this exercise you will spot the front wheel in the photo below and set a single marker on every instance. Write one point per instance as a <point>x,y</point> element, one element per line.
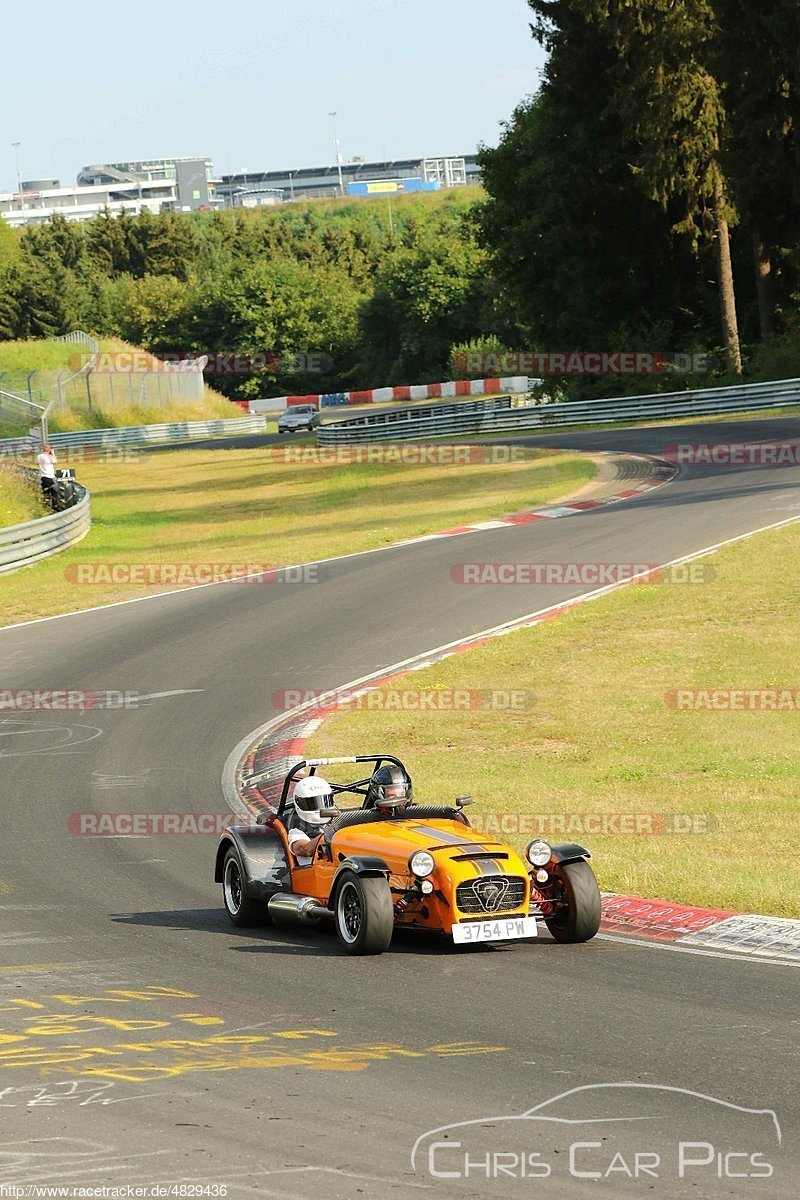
<point>241,908</point>
<point>578,919</point>
<point>364,914</point>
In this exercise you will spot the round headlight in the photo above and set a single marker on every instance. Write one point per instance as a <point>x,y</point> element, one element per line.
<point>538,853</point>
<point>421,864</point>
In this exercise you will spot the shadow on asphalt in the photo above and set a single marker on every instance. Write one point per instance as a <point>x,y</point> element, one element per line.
<point>317,942</point>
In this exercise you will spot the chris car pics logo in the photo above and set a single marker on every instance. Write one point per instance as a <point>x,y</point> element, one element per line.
<point>622,1134</point>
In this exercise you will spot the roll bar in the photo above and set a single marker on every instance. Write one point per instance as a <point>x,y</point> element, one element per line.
<point>358,787</point>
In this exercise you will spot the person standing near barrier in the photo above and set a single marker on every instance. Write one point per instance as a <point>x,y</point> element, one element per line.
<point>47,474</point>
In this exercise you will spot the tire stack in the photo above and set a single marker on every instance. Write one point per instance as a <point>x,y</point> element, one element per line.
<point>65,494</point>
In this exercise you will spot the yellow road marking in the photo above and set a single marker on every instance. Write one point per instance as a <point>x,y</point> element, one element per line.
<point>36,967</point>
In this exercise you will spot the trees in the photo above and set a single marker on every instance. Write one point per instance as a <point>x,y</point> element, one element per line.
<point>584,259</point>
<point>758,58</point>
<point>692,103</point>
<point>670,96</point>
<point>426,297</point>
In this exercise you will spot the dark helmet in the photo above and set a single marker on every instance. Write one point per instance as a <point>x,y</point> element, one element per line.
<point>389,782</point>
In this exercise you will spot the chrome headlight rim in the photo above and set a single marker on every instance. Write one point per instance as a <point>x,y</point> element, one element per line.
<point>421,864</point>
<point>538,852</point>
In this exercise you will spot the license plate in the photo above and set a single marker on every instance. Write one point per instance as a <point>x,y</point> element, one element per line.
<point>495,931</point>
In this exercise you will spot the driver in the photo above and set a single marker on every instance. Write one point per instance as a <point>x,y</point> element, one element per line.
<point>390,783</point>
<point>313,810</point>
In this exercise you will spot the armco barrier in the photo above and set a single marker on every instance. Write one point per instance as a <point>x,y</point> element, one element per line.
<point>174,431</point>
<point>489,417</point>
<point>387,395</point>
<point>22,545</point>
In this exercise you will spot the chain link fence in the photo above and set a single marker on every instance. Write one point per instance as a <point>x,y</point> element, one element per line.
<point>96,381</point>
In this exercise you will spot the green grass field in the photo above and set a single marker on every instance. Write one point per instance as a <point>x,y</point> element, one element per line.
<point>38,354</point>
<point>598,735</point>
<point>249,507</point>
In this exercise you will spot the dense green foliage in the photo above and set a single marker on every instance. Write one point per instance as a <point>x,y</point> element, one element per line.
<point>647,197</point>
<point>658,124</point>
<point>377,302</point>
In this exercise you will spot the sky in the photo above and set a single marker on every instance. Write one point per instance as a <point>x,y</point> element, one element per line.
<point>251,84</point>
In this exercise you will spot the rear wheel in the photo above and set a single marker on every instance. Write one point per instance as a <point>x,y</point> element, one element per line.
<point>241,908</point>
<point>578,919</point>
<point>364,914</point>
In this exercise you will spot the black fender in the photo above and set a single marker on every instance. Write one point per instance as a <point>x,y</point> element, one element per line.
<point>569,852</point>
<point>263,856</point>
<point>359,864</point>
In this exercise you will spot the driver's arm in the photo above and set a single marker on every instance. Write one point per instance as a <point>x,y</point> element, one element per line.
<point>305,847</point>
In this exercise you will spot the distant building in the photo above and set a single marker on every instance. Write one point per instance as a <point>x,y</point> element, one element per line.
<point>321,182</point>
<point>255,197</point>
<point>174,184</point>
<point>146,170</point>
<point>189,185</point>
<point>36,207</point>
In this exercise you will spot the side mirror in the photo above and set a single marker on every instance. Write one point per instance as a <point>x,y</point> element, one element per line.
<point>463,801</point>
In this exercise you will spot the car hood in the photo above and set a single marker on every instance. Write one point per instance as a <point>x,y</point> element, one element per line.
<point>457,849</point>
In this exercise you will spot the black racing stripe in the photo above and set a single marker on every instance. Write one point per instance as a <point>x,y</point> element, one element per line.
<point>488,866</point>
<point>440,835</point>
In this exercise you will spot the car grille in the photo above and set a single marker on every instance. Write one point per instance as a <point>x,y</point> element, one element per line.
<point>491,894</point>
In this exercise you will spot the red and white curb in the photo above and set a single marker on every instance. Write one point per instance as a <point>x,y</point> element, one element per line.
<point>661,472</point>
<point>715,928</point>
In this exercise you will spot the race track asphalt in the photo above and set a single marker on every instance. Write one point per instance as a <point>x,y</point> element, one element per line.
<point>145,1041</point>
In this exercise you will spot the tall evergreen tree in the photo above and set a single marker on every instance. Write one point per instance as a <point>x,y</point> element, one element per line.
<point>669,93</point>
<point>584,258</point>
<point>760,62</point>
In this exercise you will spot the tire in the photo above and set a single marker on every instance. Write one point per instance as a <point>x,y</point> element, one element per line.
<point>364,914</point>
<point>242,910</point>
<point>580,920</point>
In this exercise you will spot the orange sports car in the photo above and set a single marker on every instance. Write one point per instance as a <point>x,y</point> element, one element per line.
<point>391,863</point>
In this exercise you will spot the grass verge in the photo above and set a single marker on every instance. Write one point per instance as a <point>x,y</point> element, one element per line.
<point>600,737</point>
<point>195,507</point>
<point>20,498</point>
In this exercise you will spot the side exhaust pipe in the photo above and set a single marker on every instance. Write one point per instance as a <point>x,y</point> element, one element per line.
<point>287,905</point>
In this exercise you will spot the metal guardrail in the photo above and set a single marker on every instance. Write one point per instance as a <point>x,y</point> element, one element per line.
<point>131,435</point>
<point>528,415</point>
<point>22,545</point>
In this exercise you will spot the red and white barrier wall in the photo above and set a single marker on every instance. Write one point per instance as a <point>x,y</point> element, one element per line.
<point>388,395</point>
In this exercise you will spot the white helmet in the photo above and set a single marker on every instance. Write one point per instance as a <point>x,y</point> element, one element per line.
<point>312,797</point>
